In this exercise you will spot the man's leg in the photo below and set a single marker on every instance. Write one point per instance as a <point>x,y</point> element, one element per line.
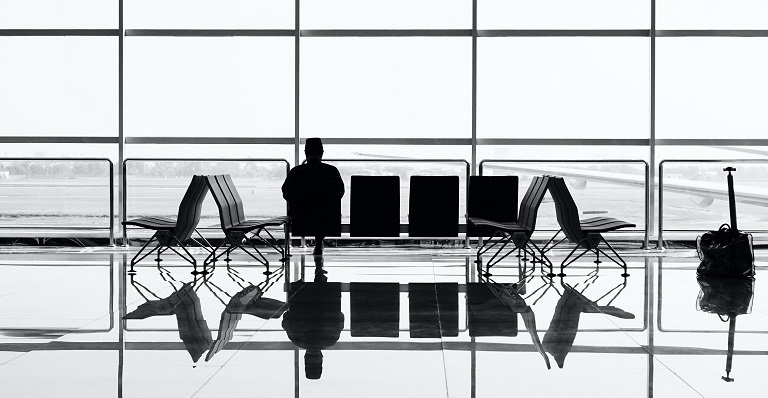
<point>318,245</point>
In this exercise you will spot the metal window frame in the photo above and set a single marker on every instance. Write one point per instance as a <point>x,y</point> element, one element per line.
<point>472,141</point>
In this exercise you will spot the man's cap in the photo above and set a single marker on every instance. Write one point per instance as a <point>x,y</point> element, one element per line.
<point>313,146</point>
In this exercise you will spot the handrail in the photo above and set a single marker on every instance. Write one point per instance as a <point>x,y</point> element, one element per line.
<point>124,210</point>
<point>660,242</point>
<point>646,182</point>
<point>74,159</point>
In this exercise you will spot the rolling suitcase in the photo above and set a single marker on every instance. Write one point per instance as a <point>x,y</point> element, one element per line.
<point>726,252</point>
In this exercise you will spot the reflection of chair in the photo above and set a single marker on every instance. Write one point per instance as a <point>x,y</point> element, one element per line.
<point>249,301</point>
<point>559,338</point>
<point>170,232</point>
<point>509,295</point>
<point>433,310</point>
<point>518,233</point>
<point>236,227</point>
<point>587,234</point>
<point>185,305</point>
<point>374,309</point>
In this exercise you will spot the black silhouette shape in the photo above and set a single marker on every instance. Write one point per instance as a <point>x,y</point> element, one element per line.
<point>433,206</point>
<point>491,198</point>
<point>509,295</point>
<point>170,233</point>
<point>558,340</point>
<point>314,191</point>
<point>727,298</point>
<point>236,227</point>
<point>586,234</point>
<point>487,315</point>
<point>248,301</point>
<point>374,209</point>
<point>374,309</point>
<point>314,319</point>
<point>518,233</point>
<point>433,309</point>
<point>185,304</point>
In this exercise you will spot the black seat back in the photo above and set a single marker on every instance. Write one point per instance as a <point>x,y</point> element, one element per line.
<point>433,206</point>
<point>190,208</point>
<point>567,212</point>
<point>235,201</point>
<point>374,206</point>
<point>529,206</point>
<point>227,210</point>
<point>491,198</point>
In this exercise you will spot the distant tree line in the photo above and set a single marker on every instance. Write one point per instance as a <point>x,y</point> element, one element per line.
<point>54,169</point>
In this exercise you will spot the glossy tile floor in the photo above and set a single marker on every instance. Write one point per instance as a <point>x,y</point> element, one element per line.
<point>385,322</point>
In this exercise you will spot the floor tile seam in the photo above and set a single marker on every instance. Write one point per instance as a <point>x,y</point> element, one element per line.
<point>443,347</point>
<point>41,346</point>
<point>648,351</point>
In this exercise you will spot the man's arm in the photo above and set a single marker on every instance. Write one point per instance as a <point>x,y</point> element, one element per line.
<point>340,188</point>
<point>287,187</point>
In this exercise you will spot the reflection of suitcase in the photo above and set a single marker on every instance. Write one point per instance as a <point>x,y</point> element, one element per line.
<point>726,297</point>
<point>726,252</point>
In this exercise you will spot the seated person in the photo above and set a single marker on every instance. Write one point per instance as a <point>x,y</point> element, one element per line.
<point>314,191</point>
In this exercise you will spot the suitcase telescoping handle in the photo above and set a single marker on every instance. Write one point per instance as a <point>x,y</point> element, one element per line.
<point>731,198</point>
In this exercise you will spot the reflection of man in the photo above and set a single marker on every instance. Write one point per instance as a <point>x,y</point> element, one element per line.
<point>314,319</point>
<point>313,191</point>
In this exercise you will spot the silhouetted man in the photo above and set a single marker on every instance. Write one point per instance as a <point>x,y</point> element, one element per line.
<point>313,191</point>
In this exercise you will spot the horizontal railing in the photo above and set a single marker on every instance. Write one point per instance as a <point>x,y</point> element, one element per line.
<point>126,162</point>
<point>586,176</point>
<point>693,189</point>
<point>110,188</point>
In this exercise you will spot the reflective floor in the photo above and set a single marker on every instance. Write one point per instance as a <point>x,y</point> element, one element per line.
<point>380,322</point>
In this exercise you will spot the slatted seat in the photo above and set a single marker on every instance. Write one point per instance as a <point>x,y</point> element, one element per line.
<point>169,232</point>
<point>586,234</point>
<point>518,233</point>
<point>236,227</point>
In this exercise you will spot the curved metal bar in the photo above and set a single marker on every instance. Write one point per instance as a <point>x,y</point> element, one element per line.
<point>646,183</point>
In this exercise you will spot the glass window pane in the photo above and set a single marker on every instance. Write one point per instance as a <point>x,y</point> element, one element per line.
<point>55,193</point>
<point>59,14</point>
<point>62,86</point>
<point>563,14</point>
<point>155,188</point>
<point>209,14</point>
<point>710,87</point>
<point>386,87</point>
<point>386,14</point>
<point>191,87</point>
<point>204,151</point>
<point>611,189</point>
<point>711,14</point>
<point>563,88</point>
<point>696,195</point>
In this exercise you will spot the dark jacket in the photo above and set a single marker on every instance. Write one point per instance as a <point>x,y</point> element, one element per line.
<point>314,191</point>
